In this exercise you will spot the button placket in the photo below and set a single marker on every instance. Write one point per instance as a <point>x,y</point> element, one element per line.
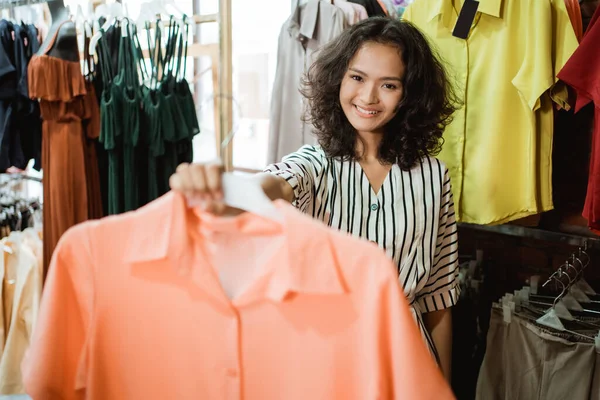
<point>232,362</point>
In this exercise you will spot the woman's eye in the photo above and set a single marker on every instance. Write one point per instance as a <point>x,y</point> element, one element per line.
<point>356,77</point>
<point>389,86</point>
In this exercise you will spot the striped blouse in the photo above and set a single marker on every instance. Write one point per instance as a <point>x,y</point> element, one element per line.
<point>412,218</point>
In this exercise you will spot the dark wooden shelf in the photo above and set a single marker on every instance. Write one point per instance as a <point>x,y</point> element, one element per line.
<point>583,241</point>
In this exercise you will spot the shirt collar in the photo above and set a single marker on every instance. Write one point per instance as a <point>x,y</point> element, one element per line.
<point>304,19</point>
<point>445,8</point>
<point>297,273</point>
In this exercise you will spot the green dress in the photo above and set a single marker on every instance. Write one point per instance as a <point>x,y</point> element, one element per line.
<point>110,129</point>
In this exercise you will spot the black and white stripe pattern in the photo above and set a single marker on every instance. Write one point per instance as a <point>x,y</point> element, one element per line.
<point>412,218</point>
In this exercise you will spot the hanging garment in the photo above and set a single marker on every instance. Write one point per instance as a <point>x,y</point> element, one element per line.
<point>61,90</point>
<point>21,276</point>
<point>582,72</point>
<point>147,130</point>
<point>498,148</point>
<point>339,328</point>
<point>375,8</point>
<point>309,27</point>
<point>95,75</point>
<point>353,12</point>
<point>27,124</point>
<point>523,361</point>
<point>574,11</point>
<point>20,123</point>
<point>8,93</point>
<point>93,166</point>
<point>411,218</point>
<point>91,128</point>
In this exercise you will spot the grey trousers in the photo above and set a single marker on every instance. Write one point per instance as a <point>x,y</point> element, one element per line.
<point>523,362</point>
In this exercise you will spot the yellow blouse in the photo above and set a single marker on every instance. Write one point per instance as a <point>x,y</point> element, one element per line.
<point>499,146</point>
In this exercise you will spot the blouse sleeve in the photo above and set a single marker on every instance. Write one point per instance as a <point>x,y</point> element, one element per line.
<point>55,363</point>
<point>442,288</point>
<point>303,170</point>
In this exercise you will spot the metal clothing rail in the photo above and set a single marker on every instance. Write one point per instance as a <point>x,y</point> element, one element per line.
<point>537,234</point>
<point>4,4</point>
<point>19,177</point>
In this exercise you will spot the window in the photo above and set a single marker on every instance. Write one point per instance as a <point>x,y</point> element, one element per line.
<point>256,26</point>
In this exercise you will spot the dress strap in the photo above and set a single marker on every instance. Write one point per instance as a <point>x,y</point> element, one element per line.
<point>55,36</point>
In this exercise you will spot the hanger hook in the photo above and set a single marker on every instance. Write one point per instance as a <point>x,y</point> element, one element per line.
<point>569,266</point>
<point>577,259</point>
<point>557,299</point>
<point>587,256</point>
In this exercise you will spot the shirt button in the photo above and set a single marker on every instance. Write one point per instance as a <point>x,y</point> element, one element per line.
<point>232,373</point>
<point>374,207</point>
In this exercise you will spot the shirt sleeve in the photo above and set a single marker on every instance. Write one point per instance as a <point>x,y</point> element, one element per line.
<point>303,170</point>
<point>410,370</point>
<point>55,364</point>
<point>550,41</point>
<point>582,71</point>
<point>442,288</point>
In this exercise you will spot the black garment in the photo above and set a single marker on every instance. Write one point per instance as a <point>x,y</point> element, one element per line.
<point>372,6</point>
<point>8,71</point>
<point>27,124</point>
<point>20,122</point>
<point>111,40</point>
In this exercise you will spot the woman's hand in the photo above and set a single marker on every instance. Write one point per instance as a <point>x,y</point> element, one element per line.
<point>201,185</point>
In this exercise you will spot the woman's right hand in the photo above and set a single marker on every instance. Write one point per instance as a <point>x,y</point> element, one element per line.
<point>201,185</point>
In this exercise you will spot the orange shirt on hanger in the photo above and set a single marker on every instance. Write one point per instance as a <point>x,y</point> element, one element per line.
<point>134,308</point>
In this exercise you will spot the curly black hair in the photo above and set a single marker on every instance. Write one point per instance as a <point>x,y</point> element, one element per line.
<point>425,110</point>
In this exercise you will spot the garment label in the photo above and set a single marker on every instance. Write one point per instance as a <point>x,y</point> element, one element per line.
<point>533,283</point>
<point>465,19</point>
<point>506,313</point>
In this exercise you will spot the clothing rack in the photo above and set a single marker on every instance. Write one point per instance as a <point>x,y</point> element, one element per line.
<point>4,4</point>
<point>221,56</point>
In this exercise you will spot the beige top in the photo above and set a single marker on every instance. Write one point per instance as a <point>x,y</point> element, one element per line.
<point>21,274</point>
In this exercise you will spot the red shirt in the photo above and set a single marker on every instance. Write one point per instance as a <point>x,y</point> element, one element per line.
<point>582,73</point>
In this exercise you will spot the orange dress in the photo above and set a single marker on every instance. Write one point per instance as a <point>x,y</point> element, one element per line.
<point>69,117</point>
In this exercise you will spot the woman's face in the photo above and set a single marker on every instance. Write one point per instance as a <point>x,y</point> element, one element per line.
<point>371,89</point>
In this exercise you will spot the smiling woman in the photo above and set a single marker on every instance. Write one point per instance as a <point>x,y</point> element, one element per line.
<point>371,100</point>
<point>388,63</point>
<point>379,100</point>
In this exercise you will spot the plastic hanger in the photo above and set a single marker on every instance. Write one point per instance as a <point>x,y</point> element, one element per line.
<point>245,192</point>
<point>113,12</point>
